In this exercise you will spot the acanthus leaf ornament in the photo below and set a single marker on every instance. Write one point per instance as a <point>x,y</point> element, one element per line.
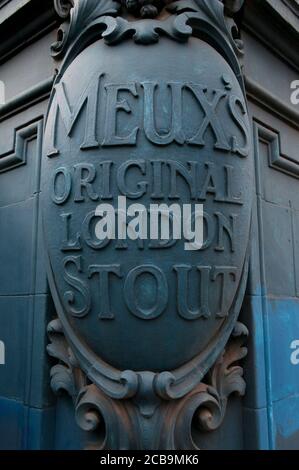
<point>147,333</point>
<point>85,15</point>
<point>79,14</point>
<point>170,421</point>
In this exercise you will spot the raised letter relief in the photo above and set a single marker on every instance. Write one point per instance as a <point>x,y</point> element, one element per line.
<point>148,105</point>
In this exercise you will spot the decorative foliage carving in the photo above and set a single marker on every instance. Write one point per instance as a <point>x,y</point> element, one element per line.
<point>95,19</point>
<point>119,424</point>
<point>214,13</point>
<point>109,423</point>
<point>174,27</point>
<point>225,378</point>
<point>67,375</point>
<point>80,14</point>
<point>205,407</point>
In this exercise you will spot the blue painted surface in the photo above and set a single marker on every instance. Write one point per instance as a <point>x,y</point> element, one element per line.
<point>272,382</point>
<point>256,429</point>
<point>255,364</point>
<point>284,329</point>
<point>68,435</point>
<point>286,413</point>
<point>13,323</point>
<point>41,429</point>
<point>25,428</point>
<point>11,424</point>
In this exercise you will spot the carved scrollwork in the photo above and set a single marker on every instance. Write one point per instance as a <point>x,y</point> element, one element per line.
<point>79,14</point>
<point>66,375</point>
<point>213,13</point>
<point>118,424</point>
<point>96,18</point>
<point>107,422</point>
<point>226,377</point>
<point>174,27</point>
<point>205,406</point>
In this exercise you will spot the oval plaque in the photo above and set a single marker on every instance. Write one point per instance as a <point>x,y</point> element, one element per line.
<point>130,126</point>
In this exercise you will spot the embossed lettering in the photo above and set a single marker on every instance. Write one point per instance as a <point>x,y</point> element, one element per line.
<point>188,174</point>
<point>209,231</point>
<point>87,174</point>
<point>114,105</point>
<point>209,186</point>
<point>104,272</point>
<point>122,183</point>
<point>165,136</point>
<point>183,287</point>
<point>161,292</point>
<point>229,196</point>
<point>78,285</point>
<point>64,175</point>
<point>68,244</point>
<point>70,114</point>
<point>229,227</point>
<point>211,119</point>
<point>87,233</point>
<point>236,148</point>
<point>106,172</point>
<point>157,190</point>
<point>227,274</point>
